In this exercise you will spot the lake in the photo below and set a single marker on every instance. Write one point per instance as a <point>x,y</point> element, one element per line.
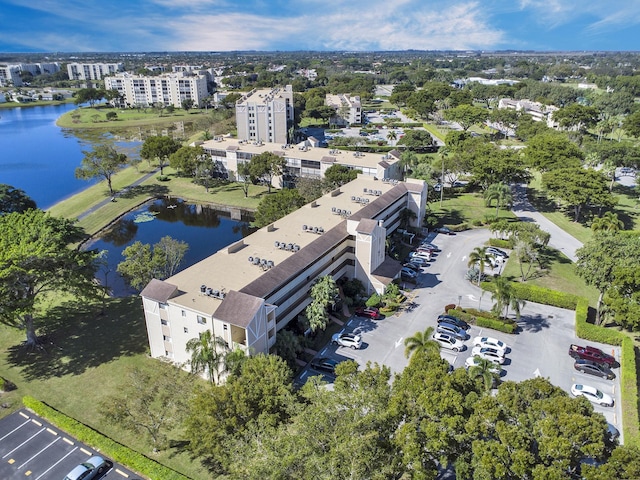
<point>204,229</point>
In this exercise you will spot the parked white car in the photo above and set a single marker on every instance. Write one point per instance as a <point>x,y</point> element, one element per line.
<point>491,343</point>
<point>347,340</point>
<point>447,341</point>
<point>424,255</point>
<point>592,394</point>
<point>471,362</point>
<point>488,354</point>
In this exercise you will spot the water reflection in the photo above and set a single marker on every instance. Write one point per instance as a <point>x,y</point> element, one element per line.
<point>205,229</point>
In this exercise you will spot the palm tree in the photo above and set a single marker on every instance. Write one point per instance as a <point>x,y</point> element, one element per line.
<point>501,193</point>
<point>607,223</point>
<point>207,354</point>
<point>485,369</point>
<point>421,341</point>
<point>478,256</point>
<point>406,215</point>
<point>505,298</point>
<point>392,135</point>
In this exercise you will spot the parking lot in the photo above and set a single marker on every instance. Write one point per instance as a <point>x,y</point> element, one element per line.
<point>540,348</point>
<point>31,448</point>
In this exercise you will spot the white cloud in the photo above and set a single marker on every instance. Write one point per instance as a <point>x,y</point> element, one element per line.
<point>354,25</point>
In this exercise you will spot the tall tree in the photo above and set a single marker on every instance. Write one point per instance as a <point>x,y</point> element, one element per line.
<point>187,159</point>
<point>144,262</point>
<point>277,205</point>
<point>323,294</point>
<point>244,177</point>
<point>576,116</point>
<point>207,355</point>
<point>631,124</point>
<point>505,297</point>
<point>421,342</point>
<point>578,187</point>
<point>467,115</point>
<point>479,257</point>
<point>549,151</point>
<point>337,175</point>
<point>501,193</point>
<point>14,200</point>
<point>484,369</point>
<point>159,148</point>
<point>35,260</point>
<point>265,166</point>
<point>103,161</point>
<point>148,402</point>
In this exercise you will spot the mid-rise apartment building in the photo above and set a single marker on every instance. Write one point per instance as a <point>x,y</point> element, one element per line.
<point>93,71</point>
<point>165,89</point>
<point>10,75</point>
<point>348,109</point>
<point>248,291</point>
<point>301,160</point>
<point>265,115</point>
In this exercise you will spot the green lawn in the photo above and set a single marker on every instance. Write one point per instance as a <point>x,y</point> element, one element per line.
<point>627,209</point>
<point>88,360</point>
<point>560,275</point>
<point>459,207</point>
<point>96,117</point>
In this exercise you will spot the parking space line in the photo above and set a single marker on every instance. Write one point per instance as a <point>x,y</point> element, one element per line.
<point>122,473</point>
<point>52,466</point>
<point>17,428</point>
<point>53,432</point>
<point>23,443</point>
<point>28,472</point>
<point>36,422</point>
<point>70,442</point>
<point>24,415</point>
<point>38,453</point>
<point>85,451</point>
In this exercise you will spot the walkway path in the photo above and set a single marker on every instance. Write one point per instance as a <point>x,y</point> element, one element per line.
<point>106,201</point>
<point>560,239</point>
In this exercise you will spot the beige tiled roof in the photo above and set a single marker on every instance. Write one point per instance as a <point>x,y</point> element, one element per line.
<point>229,268</point>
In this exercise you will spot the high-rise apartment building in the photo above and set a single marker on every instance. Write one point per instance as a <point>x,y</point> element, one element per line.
<point>93,71</point>
<point>265,115</point>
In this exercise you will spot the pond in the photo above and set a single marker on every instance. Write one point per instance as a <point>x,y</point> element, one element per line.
<point>205,229</point>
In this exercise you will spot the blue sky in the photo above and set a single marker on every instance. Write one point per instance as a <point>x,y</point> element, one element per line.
<point>358,25</point>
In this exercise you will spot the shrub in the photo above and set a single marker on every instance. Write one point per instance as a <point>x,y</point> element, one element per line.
<point>373,301</point>
<point>501,326</point>
<point>448,307</point>
<point>535,294</point>
<point>499,243</point>
<point>116,451</point>
<point>461,227</point>
<point>629,394</point>
<point>162,178</point>
<point>484,319</point>
<point>477,223</point>
<point>595,333</point>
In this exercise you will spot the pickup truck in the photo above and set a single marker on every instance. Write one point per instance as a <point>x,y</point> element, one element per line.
<point>591,353</point>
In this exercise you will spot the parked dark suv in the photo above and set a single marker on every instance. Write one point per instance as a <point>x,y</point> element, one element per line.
<point>592,368</point>
<point>453,321</point>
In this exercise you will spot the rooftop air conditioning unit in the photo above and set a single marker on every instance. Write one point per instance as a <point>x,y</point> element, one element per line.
<point>304,228</point>
<point>203,288</point>
<point>277,244</point>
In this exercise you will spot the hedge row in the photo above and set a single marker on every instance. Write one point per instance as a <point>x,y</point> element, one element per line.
<point>592,332</point>
<point>629,393</point>
<point>499,243</point>
<point>112,449</point>
<point>535,294</point>
<point>483,319</point>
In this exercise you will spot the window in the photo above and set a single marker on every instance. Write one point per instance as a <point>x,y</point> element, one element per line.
<point>186,330</point>
<point>164,322</point>
<point>202,320</point>
<point>225,327</point>
<point>184,314</point>
<point>164,306</point>
<point>166,338</point>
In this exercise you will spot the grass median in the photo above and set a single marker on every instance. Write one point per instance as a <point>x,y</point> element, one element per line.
<point>96,117</point>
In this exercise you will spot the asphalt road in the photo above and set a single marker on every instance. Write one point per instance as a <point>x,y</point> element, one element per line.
<point>31,448</point>
<point>540,348</point>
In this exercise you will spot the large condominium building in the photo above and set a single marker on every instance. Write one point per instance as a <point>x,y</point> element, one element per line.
<point>301,160</point>
<point>10,75</point>
<point>93,71</point>
<point>348,109</point>
<point>265,115</point>
<point>248,291</point>
<point>166,89</point>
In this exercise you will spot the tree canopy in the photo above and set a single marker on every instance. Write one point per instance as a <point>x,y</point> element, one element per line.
<point>103,161</point>
<point>277,205</point>
<point>549,151</point>
<point>265,166</point>
<point>35,259</point>
<point>14,200</point>
<point>159,148</point>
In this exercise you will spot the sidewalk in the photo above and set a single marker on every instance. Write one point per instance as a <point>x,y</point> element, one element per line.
<point>560,239</point>
<point>106,201</point>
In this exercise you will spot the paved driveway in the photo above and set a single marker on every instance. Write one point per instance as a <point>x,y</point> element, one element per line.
<point>31,448</point>
<point>540,348</point>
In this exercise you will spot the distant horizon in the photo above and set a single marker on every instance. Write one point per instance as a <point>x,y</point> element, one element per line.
<point>355,26</point>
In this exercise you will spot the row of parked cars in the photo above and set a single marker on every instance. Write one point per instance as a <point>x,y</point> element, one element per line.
<point>592,361</point>
<point>418,259</point>
<point>451,333</point>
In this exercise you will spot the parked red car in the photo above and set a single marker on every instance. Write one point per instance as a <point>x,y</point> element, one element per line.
<point>369,312</point>
<point>591,353</point>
